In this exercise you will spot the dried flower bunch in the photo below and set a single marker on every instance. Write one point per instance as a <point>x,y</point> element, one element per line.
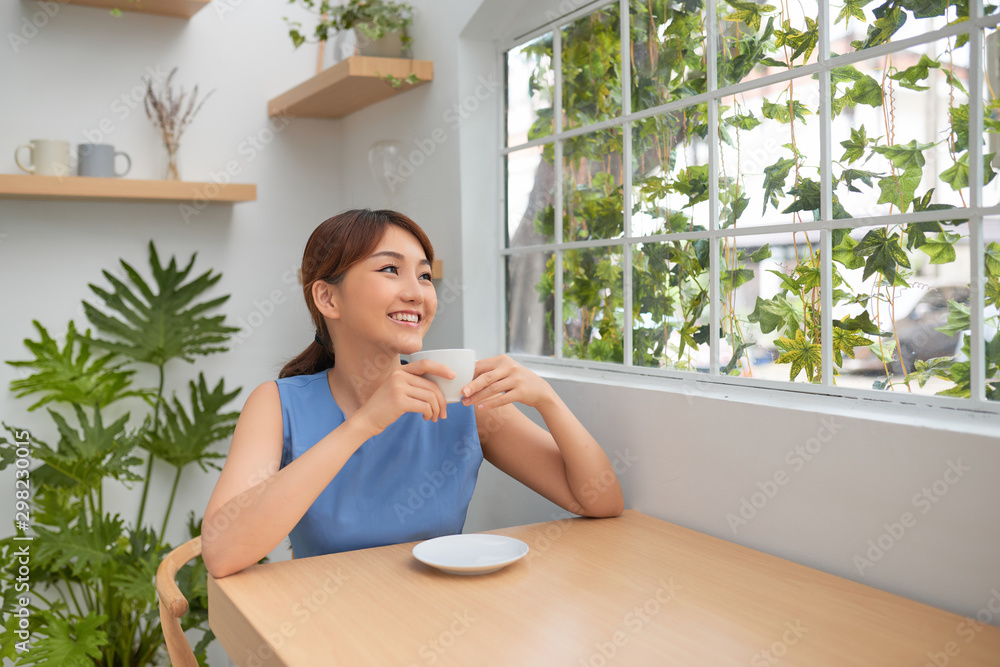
<point>170,115</point>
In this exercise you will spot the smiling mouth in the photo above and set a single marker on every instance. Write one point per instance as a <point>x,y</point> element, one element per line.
<point>409,319</point>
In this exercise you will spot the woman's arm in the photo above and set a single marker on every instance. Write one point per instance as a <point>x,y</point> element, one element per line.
<point>255,505</point>
<point>564,464</point>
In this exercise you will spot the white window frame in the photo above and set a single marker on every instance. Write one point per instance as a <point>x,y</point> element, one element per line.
<point>713,383</point>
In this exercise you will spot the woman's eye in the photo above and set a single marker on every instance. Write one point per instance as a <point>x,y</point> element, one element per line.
<point>391,269</point>
<point>425,276</point>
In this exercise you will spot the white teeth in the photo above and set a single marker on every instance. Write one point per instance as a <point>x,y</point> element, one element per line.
<point>405,317</point>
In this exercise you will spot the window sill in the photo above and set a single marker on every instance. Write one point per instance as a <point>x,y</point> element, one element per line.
<point>897,410</point>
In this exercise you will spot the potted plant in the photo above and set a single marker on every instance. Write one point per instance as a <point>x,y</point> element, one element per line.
<point>380,26</point>
<point>82,592</point>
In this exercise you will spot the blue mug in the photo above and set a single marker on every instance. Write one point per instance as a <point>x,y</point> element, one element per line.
<point>98,161</point>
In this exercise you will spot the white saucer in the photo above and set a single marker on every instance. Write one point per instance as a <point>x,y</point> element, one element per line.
<point>474,553</point>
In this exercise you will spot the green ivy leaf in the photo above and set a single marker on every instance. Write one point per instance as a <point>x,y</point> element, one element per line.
<point>953,80</point>
<point>851,8</point>
<point>884,349</point>
<point>882,29</point>
<point>959,319</point>
<point>865,90</point>
<point>733,278</point>
<point>803,42</point>
<point>848,176</point>
<point>764,317</point>
<point>909,77</point>
<point>882,253</point>
<point>787,282</point>
<point>843,250</point>
<point>806,195</point>
<point>899,189</point>
<point>844,342</point>
<point>854,148</point>
<point>764,252</point>
<point>960,126</point>
<point>862,322</point>
<point>939,367</point>
<point>801,353</point>
<point>904,156</point>
<point>941,249</point>
<point>774,181</point>
<point>957,175</point>
<point>748,12</point>
<point>742,121</point>
<point>783,112</point>
<point>992,260</point>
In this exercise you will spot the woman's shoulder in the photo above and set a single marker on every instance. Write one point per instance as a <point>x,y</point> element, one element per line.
<point>298,380</point>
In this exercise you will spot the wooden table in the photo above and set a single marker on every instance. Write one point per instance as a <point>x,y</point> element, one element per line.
<point>632,590</point>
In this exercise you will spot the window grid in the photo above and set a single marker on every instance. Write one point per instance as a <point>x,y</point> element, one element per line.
<point>974,213</point>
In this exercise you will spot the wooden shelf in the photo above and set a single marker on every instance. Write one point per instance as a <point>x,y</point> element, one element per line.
<point>348,86</point>
<point>29,186</point>
<point>182,9</point>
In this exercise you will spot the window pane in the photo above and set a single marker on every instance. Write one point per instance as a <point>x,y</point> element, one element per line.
<point>592,304</point>
<point>900,132</point>
<point>769,154</point>
<point>670,326</point>
<point>991,312</point>
<point>668,54</point>
<point>530,82</point>
<point>670,172</point>
<point>858,25</point>
<point>771,307</point>
<point>592,186</point>
<point>760,38</point>
<point>991,115</point>
<point>591,68</point>
<point>530,183</point>
<point>529,303</point>
<point>899,288</point>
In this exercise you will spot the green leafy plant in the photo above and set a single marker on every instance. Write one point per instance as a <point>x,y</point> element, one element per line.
<point>91,597</point>
<point>396,82</point>
<point>373,18</point>
<point>884,169</point>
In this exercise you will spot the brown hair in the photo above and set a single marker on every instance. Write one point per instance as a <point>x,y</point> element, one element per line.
<point>334,247</point>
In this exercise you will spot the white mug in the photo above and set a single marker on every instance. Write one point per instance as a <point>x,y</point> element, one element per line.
<point>462,361</point>
<point>48,157</point>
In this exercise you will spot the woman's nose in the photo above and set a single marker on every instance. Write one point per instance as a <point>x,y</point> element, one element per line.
<point>412,291</point>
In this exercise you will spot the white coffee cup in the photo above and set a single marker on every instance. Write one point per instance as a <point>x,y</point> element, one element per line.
<point>48,157</point>
<point>461,361</point>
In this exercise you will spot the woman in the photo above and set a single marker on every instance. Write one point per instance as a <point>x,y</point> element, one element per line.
<point>352,448</point>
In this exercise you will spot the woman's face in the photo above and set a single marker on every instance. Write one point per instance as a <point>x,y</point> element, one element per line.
<point>387,299</point>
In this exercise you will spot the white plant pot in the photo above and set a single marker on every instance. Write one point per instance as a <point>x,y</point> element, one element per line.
<point>390,46</point>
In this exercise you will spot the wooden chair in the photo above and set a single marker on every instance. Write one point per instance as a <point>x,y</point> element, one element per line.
<point>173,605</point>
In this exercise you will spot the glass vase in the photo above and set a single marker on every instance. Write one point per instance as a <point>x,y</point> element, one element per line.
<point>171,172</point>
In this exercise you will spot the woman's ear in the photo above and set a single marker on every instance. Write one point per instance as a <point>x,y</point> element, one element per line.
<point>325,297</point>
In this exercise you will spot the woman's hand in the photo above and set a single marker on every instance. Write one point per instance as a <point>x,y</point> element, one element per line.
<point>501,381</point>
<point>406,391</point>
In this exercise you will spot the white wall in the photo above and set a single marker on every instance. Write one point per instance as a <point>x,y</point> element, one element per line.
<point>696,454</point>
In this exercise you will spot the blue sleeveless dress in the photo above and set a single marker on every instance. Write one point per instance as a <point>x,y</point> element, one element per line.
<point>411,482</point>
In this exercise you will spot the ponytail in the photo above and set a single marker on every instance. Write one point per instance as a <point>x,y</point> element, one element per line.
<point>315,358</point>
